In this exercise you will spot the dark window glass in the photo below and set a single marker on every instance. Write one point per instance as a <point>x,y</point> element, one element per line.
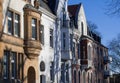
<point>10,20</point>
<point>79,76</point>
<point>17,25</point>
<point>42,34</point>
<point>6,64</point>
<point>64,40</point>
<point>78,51</point>
<point>51,72</point>
<point>13,64</point>
<point>75,77</point>
<point>82,28</point>
<point>67,73</point>
<point>34,28</point>
<point>51,38</point>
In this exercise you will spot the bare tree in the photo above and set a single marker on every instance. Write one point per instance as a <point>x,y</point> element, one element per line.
<point>93,28</point>
<point>113,7</point>
<point>114,52</point>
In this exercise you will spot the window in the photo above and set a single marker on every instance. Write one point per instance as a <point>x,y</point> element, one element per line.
<point>84,77</point>
<point>13,23</point>
<point>82,28</point>
<point>78,45</point>
<point>13,65</point>
<point>89,52</point>
<point>79,77</point>
<point>10,20</point>
<point>16,25</point>
<point>42,79</point>
<point>6,64</point>
<point>42,34</point>
<point>51,72</point>
<point>75,77</point>
<point>64,19</point>
<point>64,41</point>
<point>71,42</point>
<point>34,28</point>
<point>51,38</point>
<point>74,49</point>
<point>20,66</point>
<point>67,73</point>
<point>84,57</point>
<point>62,73</point>
<point>89,78</point>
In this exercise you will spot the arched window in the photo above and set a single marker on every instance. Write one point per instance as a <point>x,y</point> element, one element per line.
<point>42,66</point>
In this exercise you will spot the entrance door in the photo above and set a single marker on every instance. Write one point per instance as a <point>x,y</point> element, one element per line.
<point>31,75</point>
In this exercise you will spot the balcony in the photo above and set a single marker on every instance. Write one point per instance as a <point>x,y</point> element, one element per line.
<point>86,64</point>
<point>107,59</point>
<point>107,74</point>
<point>66,55</point>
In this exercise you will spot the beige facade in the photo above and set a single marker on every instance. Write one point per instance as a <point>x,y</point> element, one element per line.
<point>19,42</point>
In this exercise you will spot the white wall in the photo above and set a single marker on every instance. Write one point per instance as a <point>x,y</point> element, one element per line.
<point>47,53</point>
<point>82,18</point>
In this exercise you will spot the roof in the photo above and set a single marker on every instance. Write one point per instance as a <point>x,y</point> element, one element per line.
<point>44,4</point>
<point>72,9</point>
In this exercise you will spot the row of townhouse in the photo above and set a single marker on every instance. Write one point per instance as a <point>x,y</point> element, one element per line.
<point>44,41</point>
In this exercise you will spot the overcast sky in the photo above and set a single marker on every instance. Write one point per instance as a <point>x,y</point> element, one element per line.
<point>108,26</point>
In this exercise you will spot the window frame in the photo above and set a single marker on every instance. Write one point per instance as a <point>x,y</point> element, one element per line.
<point>51,37</point>
<point>13,21</point>
<point>42,34</point>
<point>34,28</point>
<point>17,21</point>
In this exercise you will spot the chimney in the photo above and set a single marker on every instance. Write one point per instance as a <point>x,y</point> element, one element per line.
<point>36,4</point>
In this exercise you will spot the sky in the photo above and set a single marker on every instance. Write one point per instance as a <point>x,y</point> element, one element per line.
<point>108,26</point>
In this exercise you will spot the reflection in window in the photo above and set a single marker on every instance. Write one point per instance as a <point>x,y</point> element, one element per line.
<point>10,20</point>
<point>16,24</point>
<point>34,28</point>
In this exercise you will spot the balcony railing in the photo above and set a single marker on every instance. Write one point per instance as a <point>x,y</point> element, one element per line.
<point>66,55</point>
<point>107,59</point>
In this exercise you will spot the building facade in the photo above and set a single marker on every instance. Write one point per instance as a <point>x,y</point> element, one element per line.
<point>44,41</point>
<point>90,60</point>
<point>20,41</point>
